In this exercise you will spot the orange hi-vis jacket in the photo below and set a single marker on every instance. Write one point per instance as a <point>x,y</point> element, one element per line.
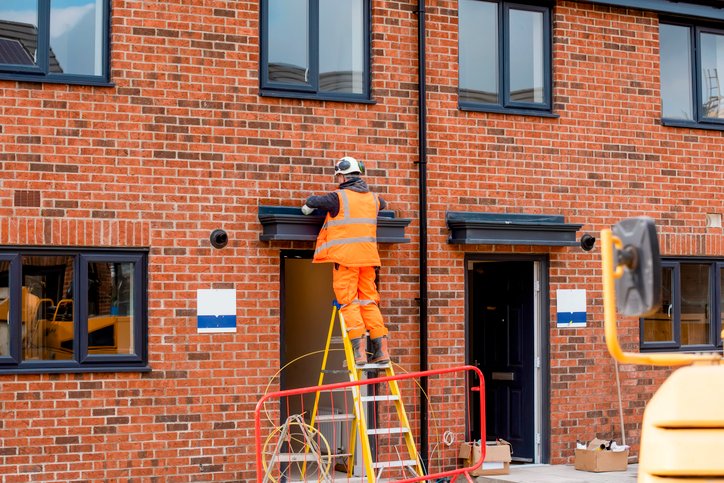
<point>350,238</point>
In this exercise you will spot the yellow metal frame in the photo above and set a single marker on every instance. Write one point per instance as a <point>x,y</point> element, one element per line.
<point>612,271</point>
<point>360,421</point>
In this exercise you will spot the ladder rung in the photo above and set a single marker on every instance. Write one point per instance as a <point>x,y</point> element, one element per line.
<point>368,367</point>
<point>325,418</point>
<point>388,431</point>
<point>335,371</point>
<point>339,389</point>
<point>386,397</point>
<point>296,457</point>
<point>393,464</point>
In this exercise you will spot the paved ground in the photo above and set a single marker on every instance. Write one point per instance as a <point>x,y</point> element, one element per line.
<point>560,474</point>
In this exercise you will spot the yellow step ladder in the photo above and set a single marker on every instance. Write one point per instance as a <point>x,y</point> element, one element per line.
<point>373,469</point>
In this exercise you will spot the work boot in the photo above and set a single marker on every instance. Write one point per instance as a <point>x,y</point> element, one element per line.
<point>380,355</point>
<point>359,346</point>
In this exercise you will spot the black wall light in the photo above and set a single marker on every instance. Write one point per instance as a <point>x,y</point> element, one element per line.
<point>587,242</point>
<point>219,238</point>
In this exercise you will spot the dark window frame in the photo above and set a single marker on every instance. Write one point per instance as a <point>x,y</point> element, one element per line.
<point>715,309</point>
<point>506,105</point>
<point>297,91</point>
<point>81,361</point>
<point>695,30</point>
<point>40,71</point>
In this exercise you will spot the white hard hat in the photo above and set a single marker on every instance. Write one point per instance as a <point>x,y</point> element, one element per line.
<point>349,165</point>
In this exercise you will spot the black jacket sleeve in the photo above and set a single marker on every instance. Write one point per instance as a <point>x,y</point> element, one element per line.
<point>328,202</point>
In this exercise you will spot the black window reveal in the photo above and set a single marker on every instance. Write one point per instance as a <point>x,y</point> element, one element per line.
<point>504,56</point>
<point>64,41</point>
<point>316,48</point>
<point>692,66</point>
<point>692,308</point>
<point>72,311</point>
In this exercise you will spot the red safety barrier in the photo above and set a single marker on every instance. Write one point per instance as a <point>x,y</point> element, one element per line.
<point>318,452</point>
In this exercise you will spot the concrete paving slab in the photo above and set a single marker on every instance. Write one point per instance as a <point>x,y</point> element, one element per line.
<point>560,474</point>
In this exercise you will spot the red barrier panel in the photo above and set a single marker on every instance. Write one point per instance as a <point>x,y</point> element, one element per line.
<point>290,449</point>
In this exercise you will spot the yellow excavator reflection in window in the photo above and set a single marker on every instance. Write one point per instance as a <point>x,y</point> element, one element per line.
<point>48,329</point>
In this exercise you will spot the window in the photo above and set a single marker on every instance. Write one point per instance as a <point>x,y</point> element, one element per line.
<point>692,307</point>
<point>72,311</point>
<point>315,48</point>
<point>692,61</point>
<point>54,40</point>
<point>504,55</point>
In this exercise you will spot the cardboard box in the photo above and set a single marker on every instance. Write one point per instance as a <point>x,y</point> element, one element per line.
<point>593,458</point>
<point>496,462</point>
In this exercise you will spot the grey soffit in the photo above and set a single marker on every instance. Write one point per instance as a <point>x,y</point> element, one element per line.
<point>288,223</point>
<point>712,9</point>
<point>510,229</point>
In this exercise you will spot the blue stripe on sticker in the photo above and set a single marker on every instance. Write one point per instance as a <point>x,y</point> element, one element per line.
<point>217,321</point>
<point>571,317</point>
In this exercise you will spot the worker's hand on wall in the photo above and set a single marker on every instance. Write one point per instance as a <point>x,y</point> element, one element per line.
<point>307,210</point>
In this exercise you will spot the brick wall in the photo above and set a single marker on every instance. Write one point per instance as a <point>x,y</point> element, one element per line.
<point>182,144</point>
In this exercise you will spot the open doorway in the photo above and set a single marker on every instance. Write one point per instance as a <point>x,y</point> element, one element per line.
<point>505,340</point>
<point>306,307</point>
<point>306,311</point>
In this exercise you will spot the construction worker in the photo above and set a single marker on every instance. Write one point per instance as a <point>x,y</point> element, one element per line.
<point>348,239</point>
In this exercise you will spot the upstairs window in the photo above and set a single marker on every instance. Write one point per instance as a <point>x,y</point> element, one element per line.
<point>315,48</point>
<point>504,56</point>
<point>692,75</point>
<point>63,41</point>
<point>72,311</point>
<point>692,308</point>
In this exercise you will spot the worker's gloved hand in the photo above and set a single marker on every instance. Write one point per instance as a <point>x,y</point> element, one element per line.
<point>307,210</point>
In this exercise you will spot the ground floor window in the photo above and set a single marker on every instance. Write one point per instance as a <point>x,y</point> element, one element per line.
<point>692,307</point>
<point>72,310</point>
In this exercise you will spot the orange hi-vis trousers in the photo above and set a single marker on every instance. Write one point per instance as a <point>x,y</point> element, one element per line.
<point>356,292</point>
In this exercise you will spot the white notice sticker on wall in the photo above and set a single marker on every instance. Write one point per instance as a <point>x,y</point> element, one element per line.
<point>216,310</point>
<point>571,308</point>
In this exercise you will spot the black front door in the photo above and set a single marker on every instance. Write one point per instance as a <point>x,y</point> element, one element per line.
<point>502,335</point>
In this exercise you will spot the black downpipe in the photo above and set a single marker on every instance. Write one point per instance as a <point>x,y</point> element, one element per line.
<point>422,168</point>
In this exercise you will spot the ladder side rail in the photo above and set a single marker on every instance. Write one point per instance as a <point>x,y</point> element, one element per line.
<point>359,412</point>
<point>320,382</point>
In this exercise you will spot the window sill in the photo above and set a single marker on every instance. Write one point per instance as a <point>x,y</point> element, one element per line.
<point>509,111</point>
<point>647,349</point>
<point>692,125</point>
<point>74,80</point>
<point>315,96</point>
<point>76,369</point>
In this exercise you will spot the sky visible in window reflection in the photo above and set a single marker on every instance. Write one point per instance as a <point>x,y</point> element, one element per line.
<point>75,31</point>
<point>712,68</point>
<point>676,91</point>
<point>288,36</point>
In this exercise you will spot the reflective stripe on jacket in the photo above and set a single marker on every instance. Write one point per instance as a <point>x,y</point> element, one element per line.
<point>350,238</point>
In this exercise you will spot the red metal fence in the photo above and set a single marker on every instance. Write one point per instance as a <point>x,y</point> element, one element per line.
<point>291,449</point>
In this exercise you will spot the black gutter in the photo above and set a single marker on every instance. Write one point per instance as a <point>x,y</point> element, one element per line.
<point>422,169</point>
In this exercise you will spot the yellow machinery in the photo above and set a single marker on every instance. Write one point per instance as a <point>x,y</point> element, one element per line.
<point>682,437</point>
<point>53,338</point>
